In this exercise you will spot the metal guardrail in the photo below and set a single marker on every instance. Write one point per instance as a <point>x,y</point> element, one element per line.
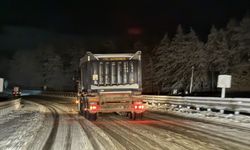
<point>236,105</point>
<point>60,94</point>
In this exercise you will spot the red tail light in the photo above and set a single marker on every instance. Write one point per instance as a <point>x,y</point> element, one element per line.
<point>94,107</point>
<point>139,106</point>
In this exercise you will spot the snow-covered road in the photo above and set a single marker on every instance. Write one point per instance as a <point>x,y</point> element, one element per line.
<point>53,123</point>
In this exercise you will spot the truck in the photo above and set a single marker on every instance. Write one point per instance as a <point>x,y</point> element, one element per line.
<point>16,91</point>
<point>110,83</point>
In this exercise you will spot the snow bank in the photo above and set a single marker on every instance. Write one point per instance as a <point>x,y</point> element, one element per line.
<point>19,128</point>
<point>241,120</point>
<point>14,106</point>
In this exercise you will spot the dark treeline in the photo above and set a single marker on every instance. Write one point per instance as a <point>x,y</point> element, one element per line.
<point>227,51</point>
<point>166,66</point>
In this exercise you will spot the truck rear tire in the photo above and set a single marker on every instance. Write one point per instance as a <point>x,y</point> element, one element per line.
<point>80,110</point>
<point>134,116</point>
<point>131,115</point>
<point>139,115</point>
<point>94,116</point>
<point>91,116</point>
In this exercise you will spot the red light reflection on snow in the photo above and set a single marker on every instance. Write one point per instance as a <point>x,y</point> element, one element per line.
<point>137,122</point>
<point>143,121</point>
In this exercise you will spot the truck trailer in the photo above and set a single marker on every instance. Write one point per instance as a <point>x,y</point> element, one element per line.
<point>110,83</point>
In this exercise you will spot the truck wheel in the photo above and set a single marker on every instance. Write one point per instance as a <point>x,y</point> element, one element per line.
<point>139,115</point>
<point>80,110</point>
<point>90,116</point>
<point>132,115</point>
<point>94,116</point>
<point>85,114</point>
<point>127,114</point>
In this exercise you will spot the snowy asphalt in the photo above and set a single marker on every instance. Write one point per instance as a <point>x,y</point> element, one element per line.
<point>53,123</point>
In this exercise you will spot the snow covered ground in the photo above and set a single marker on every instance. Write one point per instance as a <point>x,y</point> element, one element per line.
<point>19,127</point>
<point>53,123</point>
<point>239,120</point>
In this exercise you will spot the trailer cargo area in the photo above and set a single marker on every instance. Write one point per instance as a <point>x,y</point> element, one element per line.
<point>110,83</point>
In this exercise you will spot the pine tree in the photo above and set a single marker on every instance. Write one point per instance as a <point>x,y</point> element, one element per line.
<point>242,55</point>
<point>174,61</point>
<point>160,60</point>
<point>218,50</point>
<point>231,31</point>
<point>178,69</point>
<point>197,58</point>
<point>219,55</point>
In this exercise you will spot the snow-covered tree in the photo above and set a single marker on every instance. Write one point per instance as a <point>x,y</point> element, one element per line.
<point>218,49</point>
<point>197,58</point>
<point>189,52</point>
<point>160,59</point>
<point>176,60</point>
<point>219,55</point>
<point>242,55</point>
<point>231,31</point>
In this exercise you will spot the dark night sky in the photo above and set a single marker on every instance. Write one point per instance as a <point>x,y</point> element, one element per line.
<point>150,18</point>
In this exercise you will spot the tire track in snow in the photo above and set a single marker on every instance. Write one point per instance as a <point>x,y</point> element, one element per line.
<point>198,133</point>
<point>69,139</point>
<point>170,139</point>
<point>50,141</point>
<point>90,136</point>
<point>98,140</point>
<point>125,141</point>
<point>69,135</point>
<point>158,139</point>
<point>193,125</point>
<point>136,128</point>
<point>118,124</point>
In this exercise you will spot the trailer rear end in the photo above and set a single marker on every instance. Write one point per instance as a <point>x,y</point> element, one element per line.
<point>111,83</point>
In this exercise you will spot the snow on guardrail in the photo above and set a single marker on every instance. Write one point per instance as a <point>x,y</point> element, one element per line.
<point>236,105</point>
<point>59,94</point>
<point>7,106</point>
